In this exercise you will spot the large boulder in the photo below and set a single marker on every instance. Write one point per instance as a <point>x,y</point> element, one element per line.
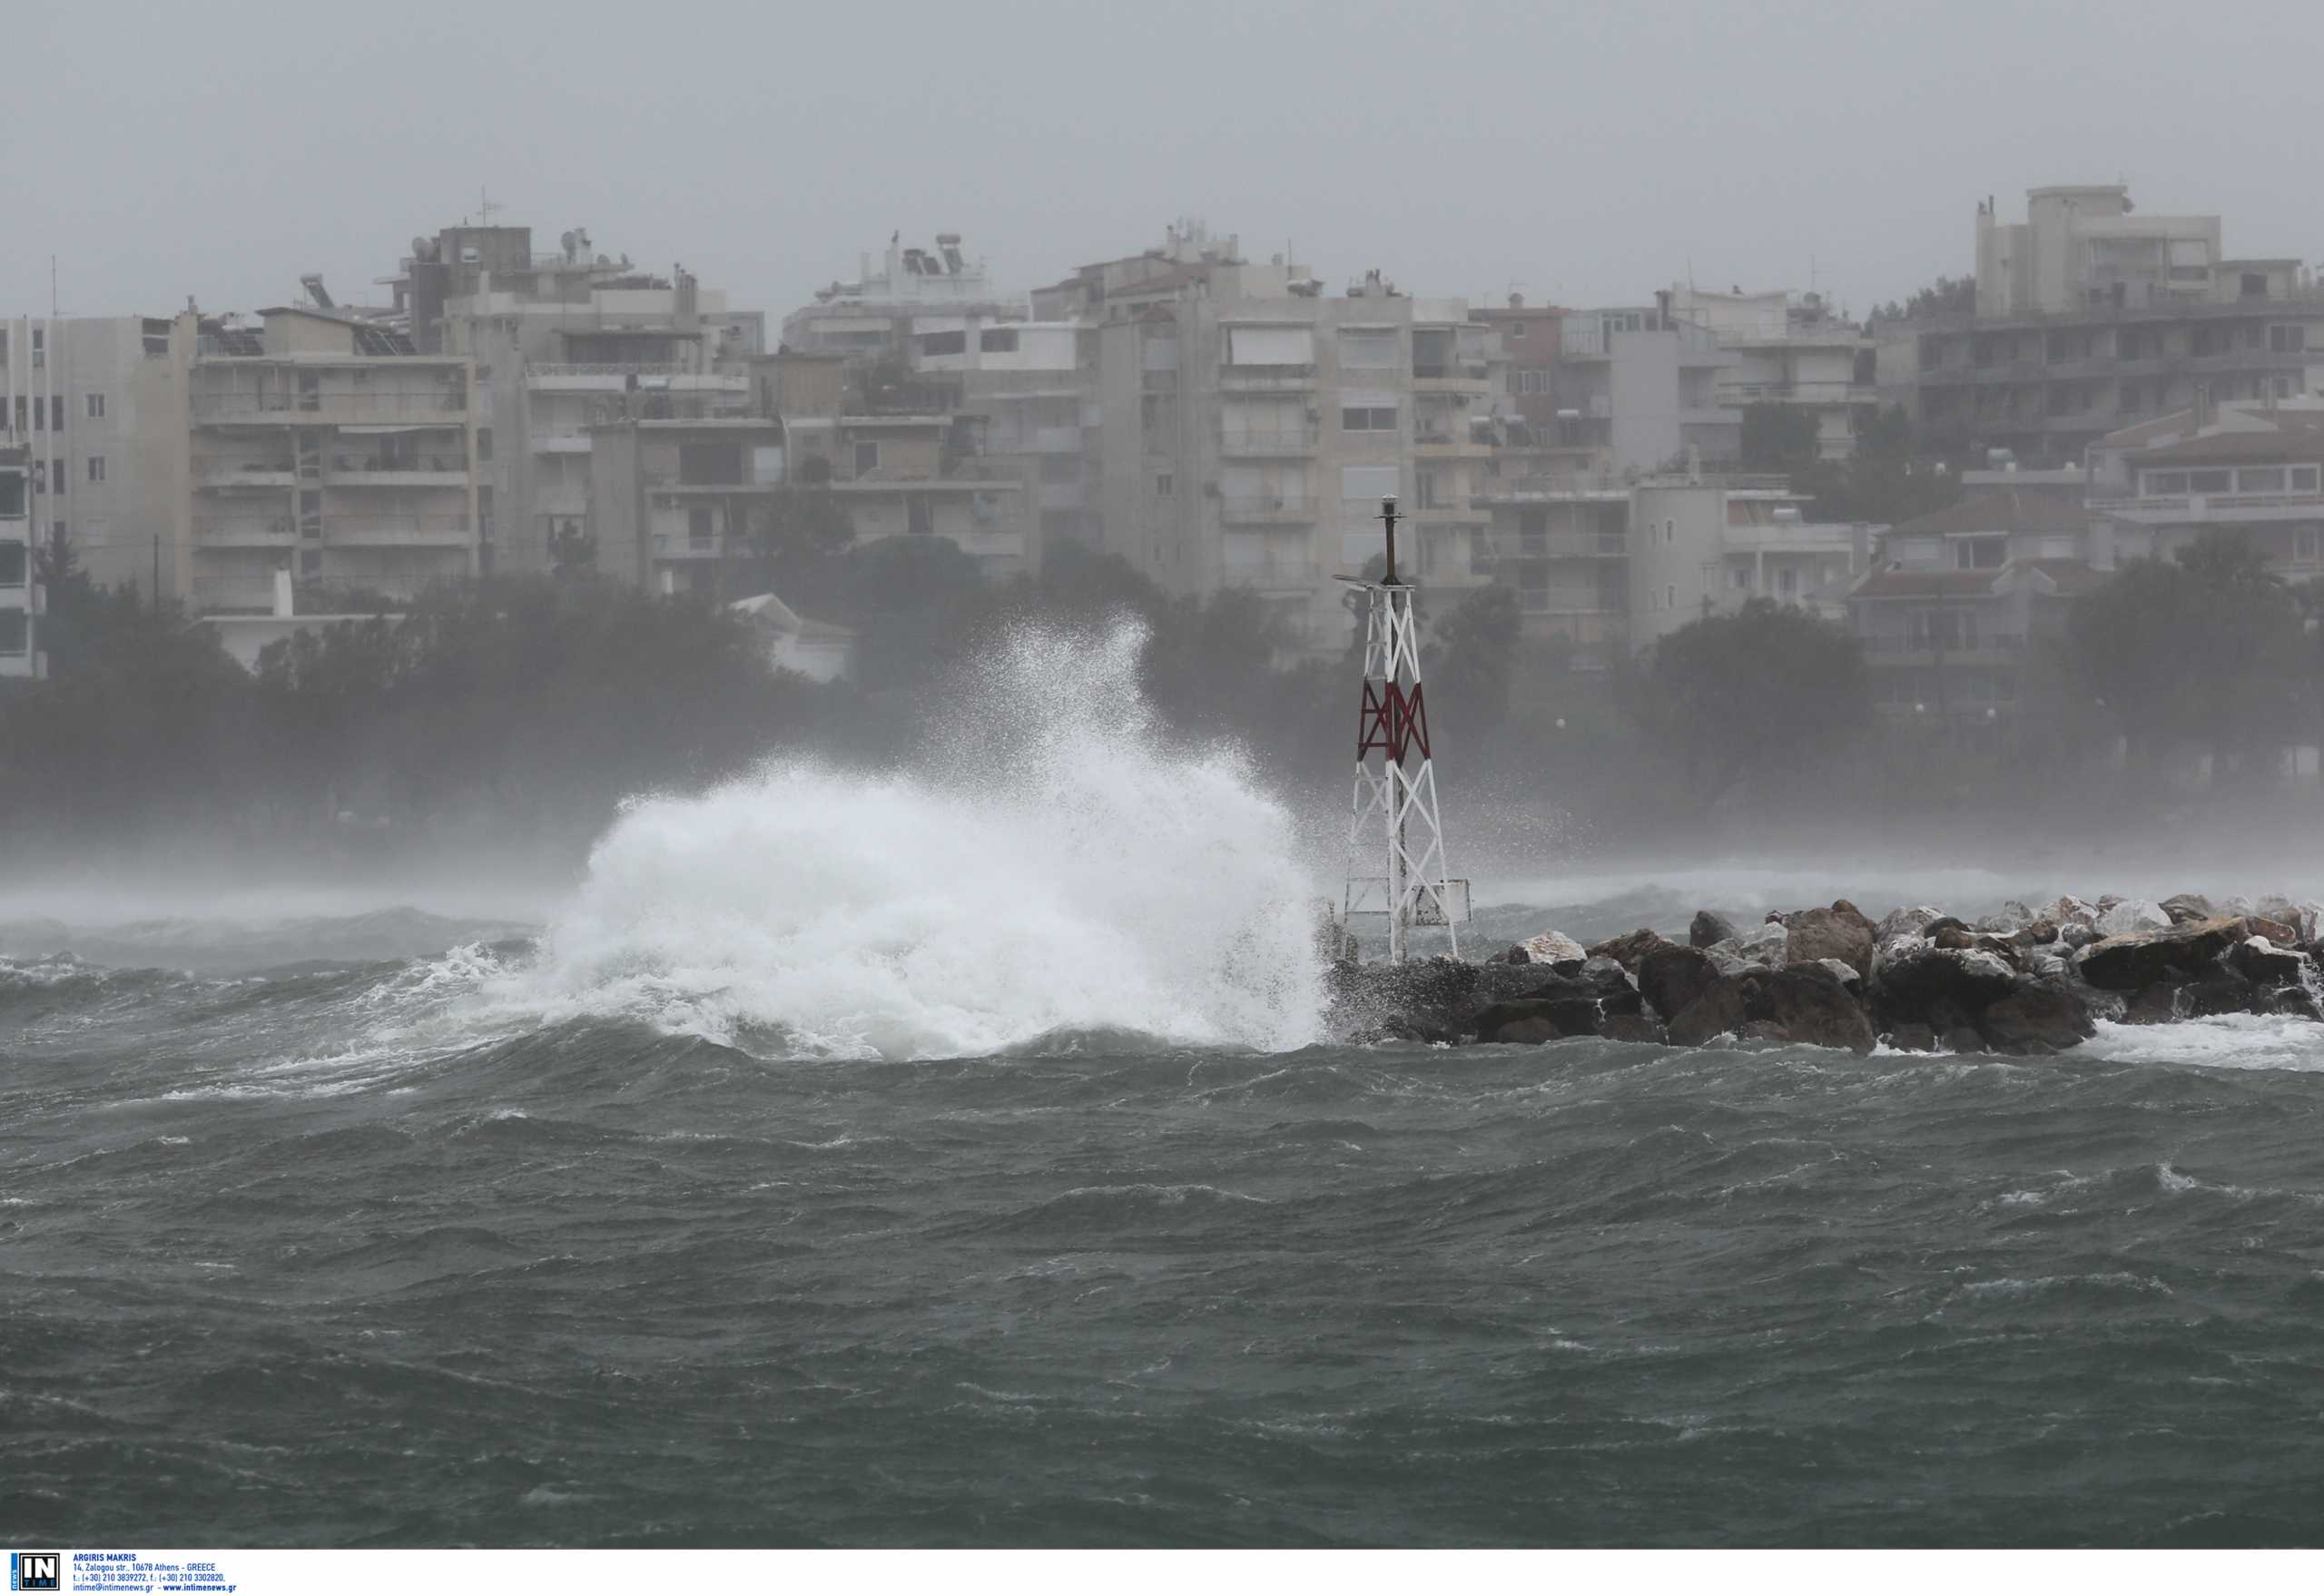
<point>1630,948</point>
<point>1709,928</point>
<point>1765,945</point>
<point>1670,978</point>
<point>2040,1016</point>
<point>1549,947</point>
<point>1811,1006</point>
<point>1907,922</point>
<point>2186,906</point>
<point>1847,975</point>
<point>1718,1011</point>
<point>1537,1019</point>
<point>1829,933</point>
<point>2259,961</point>
<point>2069,909</point>
<point>2134,961</point>
<point>2132,916</point>
<point>1943,987</point>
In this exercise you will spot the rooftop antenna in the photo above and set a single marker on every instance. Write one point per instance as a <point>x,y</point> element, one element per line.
<point>485,206</point>
<point>1396,822</point>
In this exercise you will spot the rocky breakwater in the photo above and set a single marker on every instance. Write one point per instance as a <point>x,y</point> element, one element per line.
<point>2029,981</point>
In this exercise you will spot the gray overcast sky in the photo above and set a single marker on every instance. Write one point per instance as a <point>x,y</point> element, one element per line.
<point>1585,153</point>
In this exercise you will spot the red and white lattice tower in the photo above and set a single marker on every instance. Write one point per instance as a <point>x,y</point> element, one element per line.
<point>1396,825</point>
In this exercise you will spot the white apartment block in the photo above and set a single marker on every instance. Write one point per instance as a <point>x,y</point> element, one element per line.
<point>19,654</point>
<point>2081,248</point>
<point>1792,350</point>
<point>200,456</point>
<point>1642,388</point>
<point>563,342</point>
<point>877,311</point>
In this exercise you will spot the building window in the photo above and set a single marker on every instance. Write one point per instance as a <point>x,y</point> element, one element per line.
<point>997,340</point>
<point>20,412</point>
<point>1164,484</point>
<point>97,406</point>
<point>2303,545</point>
<point>2303,478</point>
<point>919,522</point>
<point>1368,419</point>
<point>56,478</point>
<point>15,632</point>
<point>1671,598</point>
<point>96,467</point>
<point>2289,339</point>
<point>867,458</point>
<point>2208,481</point>
<point>40,477</point>
<point>13,562</point>
<point>1669,531</point>
<point>310,561</point>
<point>40,349</point>
<point>944,343</point>
<point>56,412</point>
<point>1980,554</point>
<point>40,415</point>
<point>2259,479</point>
<point>698,525</point>
<point>483,445</point>
<point>1517,330</point>
<point>13,496</point>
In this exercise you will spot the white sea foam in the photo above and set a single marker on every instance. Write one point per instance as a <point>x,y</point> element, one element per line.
<point>2230,1041</point>
<point>1062,870</point>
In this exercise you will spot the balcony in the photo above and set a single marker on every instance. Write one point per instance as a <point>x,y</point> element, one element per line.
<point>441,409</point>
<point>388,471</point>
<point>620,376</point>
<point>227,474</point>
<point>1561,545</point>
<point>2002,648</point>
<point>1265,512</point>
<point>1266,378</point>
<point>397,532</point>
<point>1434,443</point>
<point>1453,377</point>
<point>1812,392</point>
<point>561,443</point>
<point>271,532</point>
<point>1265,442</point>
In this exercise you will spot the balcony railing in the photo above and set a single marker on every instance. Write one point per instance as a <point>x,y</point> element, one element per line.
<point>1269,440</point>
<point>328,409</point>
<point>2002,645</point>
<point>1266,510</point>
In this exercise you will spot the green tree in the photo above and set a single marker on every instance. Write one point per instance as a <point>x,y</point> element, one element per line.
<point>1947,295</point>
<point>1472,660</point>
<point>1761,689</point>
<point>2205,650</point>
<point>1779,438</point>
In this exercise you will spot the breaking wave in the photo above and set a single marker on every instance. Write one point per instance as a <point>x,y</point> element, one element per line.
<point>1060,869</point>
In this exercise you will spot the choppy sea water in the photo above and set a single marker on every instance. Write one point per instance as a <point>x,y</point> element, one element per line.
<point>958,1160</point>
<point>352,1254</point>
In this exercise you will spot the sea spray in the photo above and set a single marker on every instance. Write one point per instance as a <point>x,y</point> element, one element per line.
<point>1057,867</point>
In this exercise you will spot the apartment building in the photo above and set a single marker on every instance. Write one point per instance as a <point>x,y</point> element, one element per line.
<point>20,599</point>
<point>1640,388</point>
<point>1024,392</point>
<point>2091,321</point>
<point>876,313</point>
<point>1248,425</point>
<point>2253,470</point>
<point>1608,565</point>
<point>1964,595</point>
<point>682,504</point>
<point>198,455</point>
<point>1791,350</point>
<point>565,342</point>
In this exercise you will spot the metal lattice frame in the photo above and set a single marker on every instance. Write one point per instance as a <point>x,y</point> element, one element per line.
<point>1395,820</point>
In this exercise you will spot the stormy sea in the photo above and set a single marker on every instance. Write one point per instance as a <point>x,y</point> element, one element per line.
<point>917,1161</point>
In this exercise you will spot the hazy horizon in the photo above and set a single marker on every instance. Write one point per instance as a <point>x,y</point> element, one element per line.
<point>1580,158</point>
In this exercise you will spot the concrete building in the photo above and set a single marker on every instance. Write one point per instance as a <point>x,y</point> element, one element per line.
<point>201,455</point>
<point>20,599</point>
<point>679,505</point>
<point>876,313</point>
<point>910,472</point>
<point>2076,340</point>
<point>1641,387</point>
<point>1026,391</point>
<point>562,343</point>
<point>2079,247</point>
<point>1963,597</point>
<point>1610,566</point>
<point>2253,470</point>
<point>1790,350</point>
<point>1248,424</point>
